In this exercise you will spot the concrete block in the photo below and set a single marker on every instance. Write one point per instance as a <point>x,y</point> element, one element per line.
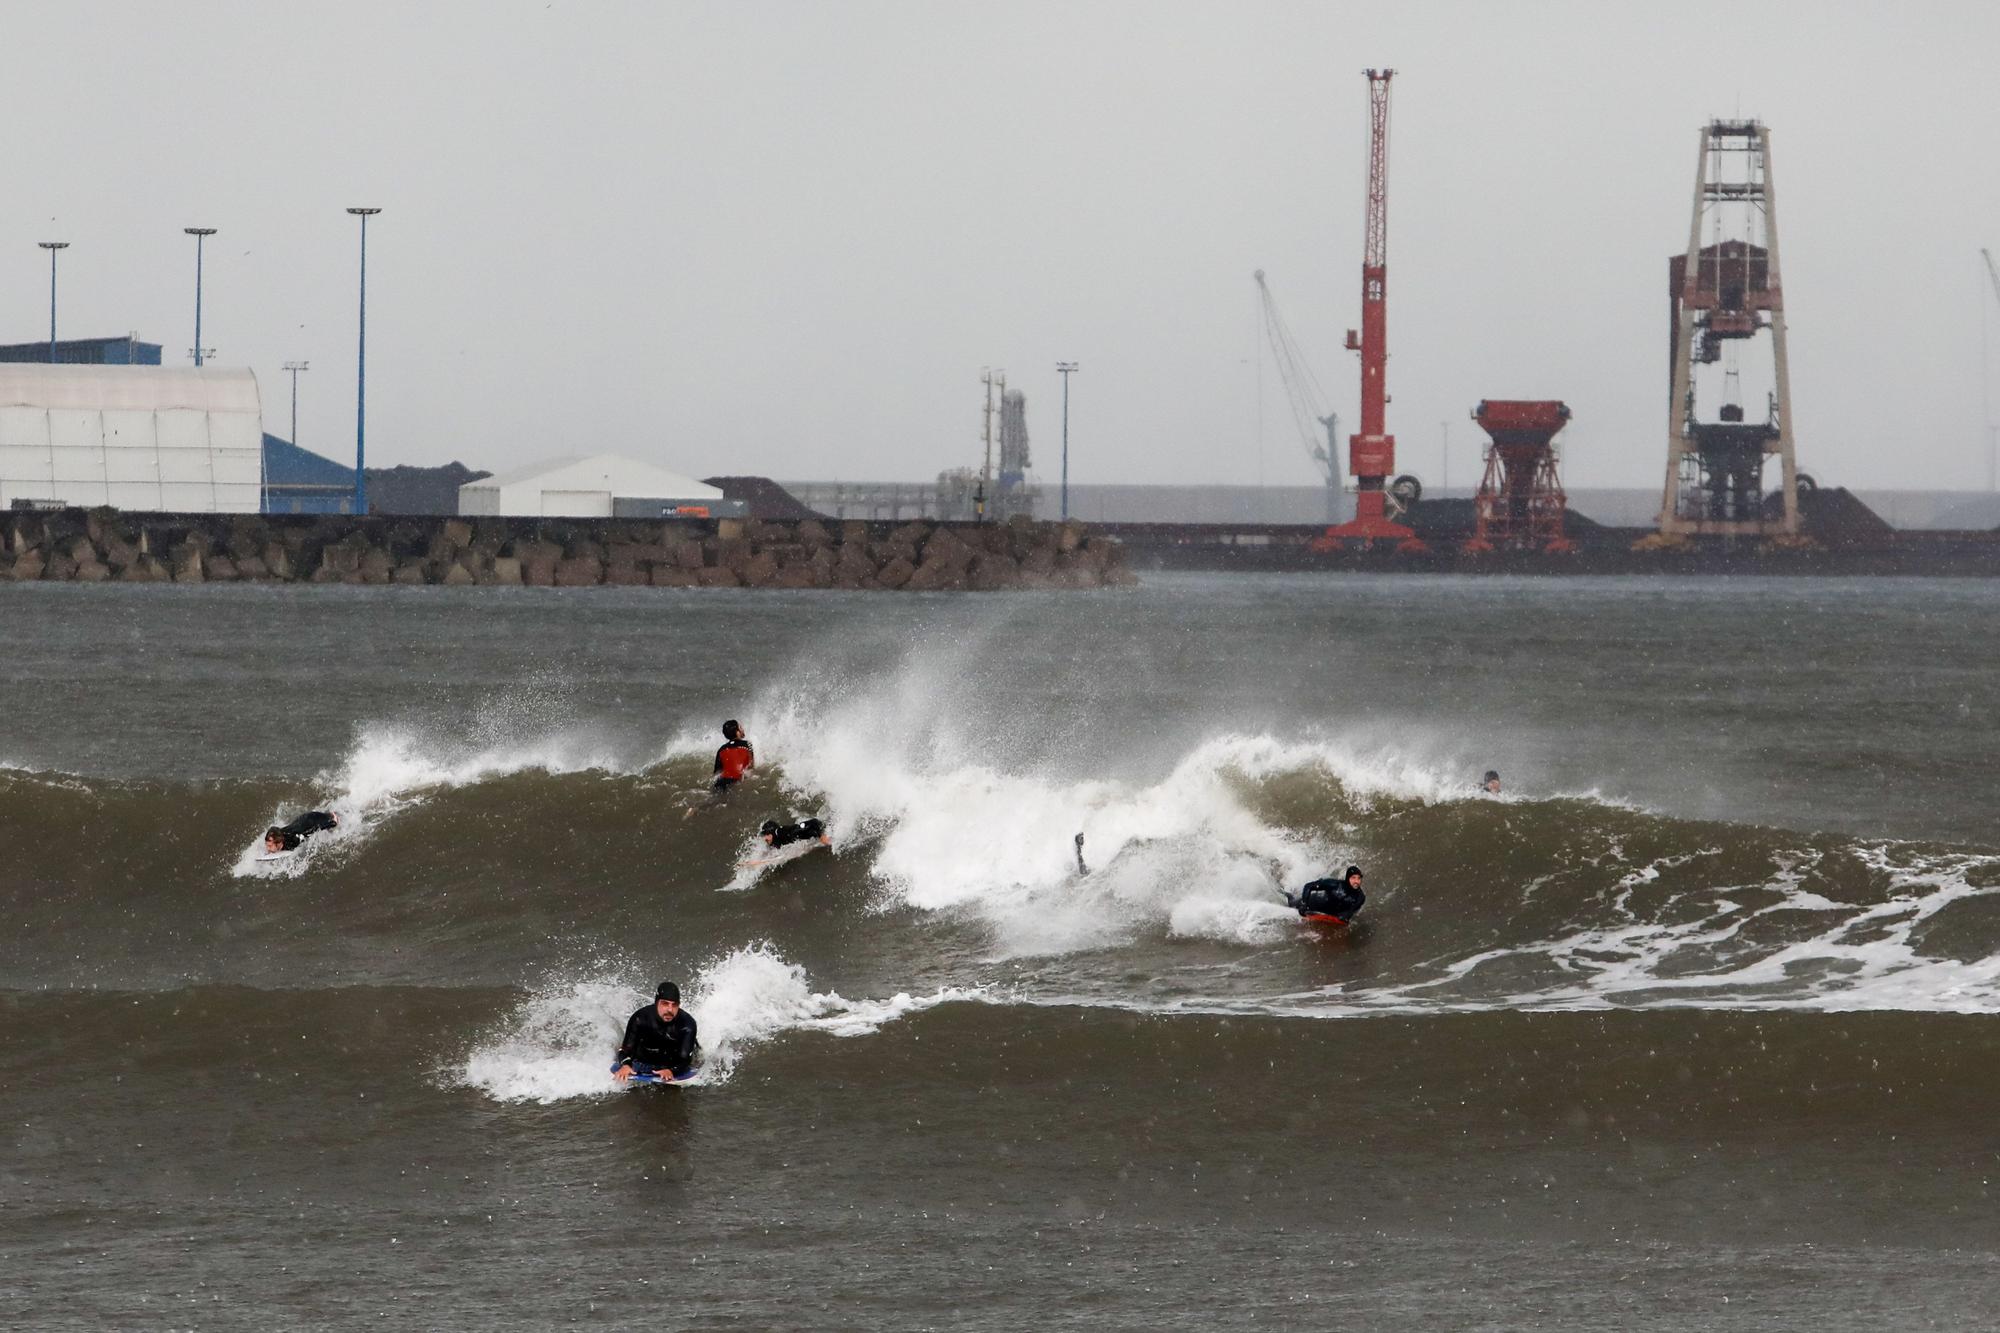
<point>895,574</point>
<point>627,575</point>
<point>579,572</point>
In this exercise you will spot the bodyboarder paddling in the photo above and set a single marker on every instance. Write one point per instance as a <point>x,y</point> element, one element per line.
<point>293,835</point>
<point>1329,899</point>
<point>659,1039</point>
<point>776,836</point>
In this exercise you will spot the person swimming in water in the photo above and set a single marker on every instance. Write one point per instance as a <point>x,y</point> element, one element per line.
<point>1337,898</point>
<point>1490,784</point>
<point>735,758</point>
<point>292,836</point>
<point>733,762</point>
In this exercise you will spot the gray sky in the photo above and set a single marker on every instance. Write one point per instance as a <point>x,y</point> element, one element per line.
<point>785,238</point>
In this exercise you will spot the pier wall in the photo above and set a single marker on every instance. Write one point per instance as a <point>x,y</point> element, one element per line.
<point>104,545</point>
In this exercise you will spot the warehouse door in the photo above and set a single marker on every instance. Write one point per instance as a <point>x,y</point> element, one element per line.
<point>576,504</point>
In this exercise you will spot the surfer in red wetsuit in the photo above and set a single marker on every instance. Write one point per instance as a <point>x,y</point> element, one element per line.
<point>733,762</point>
<point>735,758</point>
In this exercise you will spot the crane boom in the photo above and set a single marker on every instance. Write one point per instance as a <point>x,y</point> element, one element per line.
<point>1302,390</point>
<point>1991,271</point>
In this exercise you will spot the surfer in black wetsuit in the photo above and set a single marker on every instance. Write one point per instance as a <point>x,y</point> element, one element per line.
<point>288,838</point>
<point>659,1039</point>
<point>777,835</point>
<point>1338,898</point>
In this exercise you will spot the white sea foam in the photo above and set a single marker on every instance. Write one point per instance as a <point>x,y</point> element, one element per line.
<point>951,830</point>
<point>392,767</point>
<point>560,1041</point>
<point>1848,958</point>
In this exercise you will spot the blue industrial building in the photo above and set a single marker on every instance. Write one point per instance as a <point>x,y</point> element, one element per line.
<point>299,481</point>
<point>126,351</point>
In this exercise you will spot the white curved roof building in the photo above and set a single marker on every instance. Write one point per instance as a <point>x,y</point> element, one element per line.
<point>135,437</point>
<point>601,486</point>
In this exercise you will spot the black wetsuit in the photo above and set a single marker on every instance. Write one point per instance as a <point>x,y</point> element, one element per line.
<point>307,824</point>
<point>661,1045</point>
<point>1330,897</point>
<point>732,760</point>
<point>787,834</point>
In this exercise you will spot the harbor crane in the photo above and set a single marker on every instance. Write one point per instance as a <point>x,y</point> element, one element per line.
<point>1306,398</point>
<point>1371,452</point>
<point>1992,432</point>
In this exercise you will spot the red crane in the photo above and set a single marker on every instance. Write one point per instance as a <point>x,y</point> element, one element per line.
<point>1371,455</point>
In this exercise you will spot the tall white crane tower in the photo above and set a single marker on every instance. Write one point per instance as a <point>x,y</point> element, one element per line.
<point>1308,403</point>
<point>1986,383</point>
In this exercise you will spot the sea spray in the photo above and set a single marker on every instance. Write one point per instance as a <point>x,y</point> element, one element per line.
<point>560,1041</point>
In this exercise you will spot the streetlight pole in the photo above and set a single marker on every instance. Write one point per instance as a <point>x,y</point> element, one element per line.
<point>1065,369</point>
<point>293,368</point>
<point>200,234</point>
<point>361,375</point>
<point>52,247</point>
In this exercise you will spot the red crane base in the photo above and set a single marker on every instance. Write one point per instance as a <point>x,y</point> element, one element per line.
<point>1369,525</point>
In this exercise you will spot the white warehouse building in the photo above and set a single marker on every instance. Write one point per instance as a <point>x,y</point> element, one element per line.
<point>601,486</point>
<point>135,437</point>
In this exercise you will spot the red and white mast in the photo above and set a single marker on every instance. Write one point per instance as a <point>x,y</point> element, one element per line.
<point>1371,454</point>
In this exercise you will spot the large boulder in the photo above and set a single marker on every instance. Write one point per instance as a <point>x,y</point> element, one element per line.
<point>627,574</point>
<point>579,572</point>
<point>761,571</point>
<point>852,566</point>
<point>992,573</point>
<point>793,576</point>
<point>504,572</point>
<point>675,576</point>
<point>896,573</point>
<point>946,574</point>
<point>719,576</point>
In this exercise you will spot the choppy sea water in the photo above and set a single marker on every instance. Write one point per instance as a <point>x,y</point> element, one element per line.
<point>1690,1028</point>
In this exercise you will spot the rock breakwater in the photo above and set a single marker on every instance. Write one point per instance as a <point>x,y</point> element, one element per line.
<point>100,545</point>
